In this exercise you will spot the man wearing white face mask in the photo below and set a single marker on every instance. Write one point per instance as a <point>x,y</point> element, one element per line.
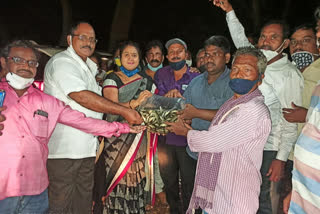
<point>70,77</point>
<point>154,52</point>
<point>31,117</point>
<point>287,82</point>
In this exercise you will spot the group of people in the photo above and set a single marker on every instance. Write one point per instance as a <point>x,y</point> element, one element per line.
<point>240,129</point>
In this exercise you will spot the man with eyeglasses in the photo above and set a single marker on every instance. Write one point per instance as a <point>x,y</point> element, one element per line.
<point>31,118</point>
<point>70,77</point>
<point>287,82</point>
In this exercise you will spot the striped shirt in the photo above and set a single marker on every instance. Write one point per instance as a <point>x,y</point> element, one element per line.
<point>238,141</point>
<point>306,172</point>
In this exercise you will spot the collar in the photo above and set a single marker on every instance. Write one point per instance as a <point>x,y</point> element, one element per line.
<point>88,65</point>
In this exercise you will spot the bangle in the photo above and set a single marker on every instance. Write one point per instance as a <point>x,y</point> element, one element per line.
<point>130,104</point>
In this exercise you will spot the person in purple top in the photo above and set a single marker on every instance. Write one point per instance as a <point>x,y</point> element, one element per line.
<point>172,81</point>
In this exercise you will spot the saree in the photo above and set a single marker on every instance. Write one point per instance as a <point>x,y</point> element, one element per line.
<point>120,176</point>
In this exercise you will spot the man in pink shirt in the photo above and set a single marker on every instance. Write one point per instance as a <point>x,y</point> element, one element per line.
<point>31,117</point>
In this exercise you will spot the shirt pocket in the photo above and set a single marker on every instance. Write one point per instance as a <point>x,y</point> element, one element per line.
<point>40,126</point>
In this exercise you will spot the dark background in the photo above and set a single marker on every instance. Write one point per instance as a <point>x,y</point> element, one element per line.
<point>191,20</point>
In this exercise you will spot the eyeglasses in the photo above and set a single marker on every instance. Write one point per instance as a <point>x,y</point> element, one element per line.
<point>304,41</point>
<point>21,61</point>
<point>84,38</point>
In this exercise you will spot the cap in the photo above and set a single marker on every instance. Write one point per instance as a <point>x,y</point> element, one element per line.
<point>176,41</point>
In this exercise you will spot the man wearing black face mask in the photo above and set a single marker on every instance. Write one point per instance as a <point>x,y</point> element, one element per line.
<point>172,81</point>
<point>287,82</point>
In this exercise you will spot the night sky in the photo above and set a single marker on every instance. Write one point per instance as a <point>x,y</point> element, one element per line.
<point>193,21</point>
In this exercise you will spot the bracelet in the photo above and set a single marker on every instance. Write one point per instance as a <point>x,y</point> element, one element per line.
<point>130,104</point>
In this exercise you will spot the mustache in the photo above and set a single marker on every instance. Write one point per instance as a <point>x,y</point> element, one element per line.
<point>87,46</point>
<point>210,63</point>
<point>25,70</point>
<point>297,50</point>
<point>154,60</point>
<point>176,58</point>
<point>266,47</point>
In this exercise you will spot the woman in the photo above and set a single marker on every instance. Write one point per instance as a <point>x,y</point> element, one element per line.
<point>124,157</point>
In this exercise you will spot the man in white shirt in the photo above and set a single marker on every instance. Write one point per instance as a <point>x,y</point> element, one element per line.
<point>287,82</point>
<point>70,77</point>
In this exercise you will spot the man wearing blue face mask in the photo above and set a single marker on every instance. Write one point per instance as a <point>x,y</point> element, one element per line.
<point>154,56</point>
<point>172,81</point>
<point>287,82</point>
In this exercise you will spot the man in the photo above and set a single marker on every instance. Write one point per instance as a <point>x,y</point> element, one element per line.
<point>230,151</point>
<point>31,118</point>
<point>172,81</point>
<point>213,84</point>
<point>154,58</point>
<point>70,77</point>
<point>304,52</point>
<point>305,174</point>
<point>200,57</point>
<point>287,82</point>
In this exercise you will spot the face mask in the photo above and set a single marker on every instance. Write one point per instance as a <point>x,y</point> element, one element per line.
<point>189,62</point>
<point>129,73</point>
<point>242,86</point>
<point>177,65</point>
<point>318,43</point>
<point>271,54</point>
<point>154,68</point>
<point>202,68</point>
<point>18,82</point>
<point>117,61</point>
<point>302,59</point>
<point>70,42</point>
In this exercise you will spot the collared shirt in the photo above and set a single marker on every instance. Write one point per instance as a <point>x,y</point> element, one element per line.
<point>240,138</point>
<point>165,81</point>
<point>65,73</point>
<point>24,143</point>
<point>287,82</point>
<point>306,170</point>
<point>212,97</point>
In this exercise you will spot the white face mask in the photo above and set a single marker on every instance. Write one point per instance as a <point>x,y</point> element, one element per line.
<point>154,69</point>
<point>17,82</point>
<point>271,54</point>
<point>189,62</point>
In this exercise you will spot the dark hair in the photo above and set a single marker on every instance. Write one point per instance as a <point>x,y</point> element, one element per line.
<point>153,44</point>
<point>130,43</point>
<point>317,13</point>
<point>97,56</point>
<point>262,60</point>
<point>219,41</point>
<point>19,44</point>
<point>75,26</point>
<point>283,24</point>
<point>305,26</point>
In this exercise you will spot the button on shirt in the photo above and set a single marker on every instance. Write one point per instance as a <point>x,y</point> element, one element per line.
<point>165,81</point>
<point>24,143</point>
<point>66,72</point>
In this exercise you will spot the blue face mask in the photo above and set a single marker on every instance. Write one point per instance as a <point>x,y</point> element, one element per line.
<point>177,65</point>
<point>242,86</point>
<point>154,69</point>
<point>129,73</point>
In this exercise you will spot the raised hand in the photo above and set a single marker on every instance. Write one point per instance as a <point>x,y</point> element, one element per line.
<point>223,4</point>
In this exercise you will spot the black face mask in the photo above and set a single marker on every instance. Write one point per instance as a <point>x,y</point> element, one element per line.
<point>177,65</point>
